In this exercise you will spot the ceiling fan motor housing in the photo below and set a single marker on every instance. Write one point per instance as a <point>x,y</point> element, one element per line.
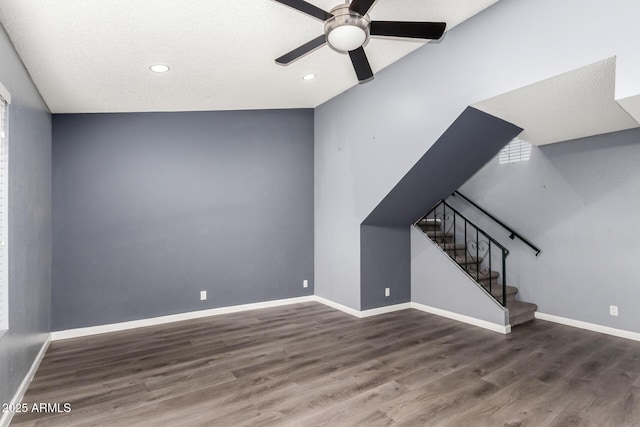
<point>346,30</point>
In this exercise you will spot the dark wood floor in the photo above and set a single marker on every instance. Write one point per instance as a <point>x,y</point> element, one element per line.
<point>307,364</point>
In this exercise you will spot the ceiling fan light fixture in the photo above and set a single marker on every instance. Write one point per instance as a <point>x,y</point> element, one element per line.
<point>347,38</point>
<point>346,30</point>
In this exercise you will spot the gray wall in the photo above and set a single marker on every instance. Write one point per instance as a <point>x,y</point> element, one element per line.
<point>578,201</point>
<point>369,137</point>
<point>29,223</point>
<point>386,263</point>
<point>470,141</point>
<point>151,208</point>
<point>438,282</point>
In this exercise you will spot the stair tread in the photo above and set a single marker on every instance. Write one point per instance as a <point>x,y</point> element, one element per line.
<point>484,276</point>
<point>469,259</point>
<point>521,312</point>
<point>452,246</point>
<point>430,220</point>
<point>496,293</point>
<point>497,290</point>
<point>517,308</point>
<point>438,236</point>
<point>437,233</point>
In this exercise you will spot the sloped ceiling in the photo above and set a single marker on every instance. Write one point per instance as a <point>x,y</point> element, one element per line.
<point>88,56</point>
<point>573,105</point>
<point>93,55</point>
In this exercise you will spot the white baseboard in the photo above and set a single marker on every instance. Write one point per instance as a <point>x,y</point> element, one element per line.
<point>360,314</point>
<point>495,327</point>
<point>337,306</point>
<point>133,324</point>
<point>386,309</point>
<point>6,418</point>
<point>589,326</point>
<point>114,327</point>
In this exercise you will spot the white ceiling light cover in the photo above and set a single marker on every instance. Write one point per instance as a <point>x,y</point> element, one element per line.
<point>347,38</point>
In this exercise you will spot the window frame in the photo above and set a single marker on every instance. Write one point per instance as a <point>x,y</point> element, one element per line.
<point>516,151</point>
<point>5,101</point>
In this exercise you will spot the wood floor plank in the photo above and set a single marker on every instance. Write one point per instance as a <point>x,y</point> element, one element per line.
<point>360,409</point>
<point>307,364</point>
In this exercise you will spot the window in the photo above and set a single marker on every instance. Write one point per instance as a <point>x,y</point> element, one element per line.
<point>515,151</point>
<point>4,266</point>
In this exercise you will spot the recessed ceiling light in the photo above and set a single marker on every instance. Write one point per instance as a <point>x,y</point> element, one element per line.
<point>309,77</point>
<point>159,68</point>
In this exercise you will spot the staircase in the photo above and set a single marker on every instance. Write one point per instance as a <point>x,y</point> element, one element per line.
<point>477,254</point>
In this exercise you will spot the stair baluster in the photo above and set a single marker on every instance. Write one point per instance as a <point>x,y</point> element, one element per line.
<point>442,224</point>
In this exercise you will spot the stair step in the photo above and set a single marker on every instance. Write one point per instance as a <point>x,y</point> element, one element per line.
<point>430,221</point>
<point>482,277</point>
<point>430,224</point>
<point>448,246</point>
<point>428,229</point>
<point>521,312</point>
<point>461,259</point>
<point>439,236</point>
<point>438,233</point>
<point>496,291</point>
<point>455,252</point>
<point>453,249</point>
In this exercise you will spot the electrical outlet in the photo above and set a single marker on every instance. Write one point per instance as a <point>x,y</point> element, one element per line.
<point>203,295</point>
<point>613,310</point>
<point>387,292</point>
<point>305,283</point>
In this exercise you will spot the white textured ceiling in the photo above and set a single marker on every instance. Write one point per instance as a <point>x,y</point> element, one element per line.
<point>632,105</point>
<point>93,55</point>
<point>573,105</point>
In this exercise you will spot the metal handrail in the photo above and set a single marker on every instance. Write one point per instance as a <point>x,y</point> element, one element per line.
<point>512,234</point>
<point>478,228</point>
<point>475,258</point>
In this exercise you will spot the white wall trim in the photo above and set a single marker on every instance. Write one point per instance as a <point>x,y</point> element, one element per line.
<point>5,93</point>
<point>337,306</point>
<point>360,314</point>
<point>589,326</point>
<point>6,418</point>
<point>495,327</point>
<point>385,309</point>
<point>133,324</point>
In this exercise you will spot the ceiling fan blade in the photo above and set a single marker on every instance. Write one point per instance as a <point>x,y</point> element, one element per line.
<point>299,52</point>
<point>307,8</point>
<point>414,30</point>
<point>361,65</point>
<point>361,6</point>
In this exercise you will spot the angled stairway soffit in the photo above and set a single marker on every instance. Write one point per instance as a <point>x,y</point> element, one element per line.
<point>572,105</point>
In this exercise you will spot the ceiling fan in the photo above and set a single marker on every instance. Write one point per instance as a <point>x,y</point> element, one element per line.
<point>347,28</point>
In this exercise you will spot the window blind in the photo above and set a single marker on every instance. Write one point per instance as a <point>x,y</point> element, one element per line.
<point>4,270</point>
<point>515,151</point>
